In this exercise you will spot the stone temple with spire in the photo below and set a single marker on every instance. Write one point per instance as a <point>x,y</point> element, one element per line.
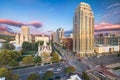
<point>45,51</point>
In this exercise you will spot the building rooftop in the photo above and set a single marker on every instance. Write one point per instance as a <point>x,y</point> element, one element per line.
<point>74,77</point>
<point>83,3</point>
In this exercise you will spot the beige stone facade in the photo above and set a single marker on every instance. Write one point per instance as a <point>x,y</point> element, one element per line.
<point>23,36</point>
<point>83,30</point>
<point>42,38</point>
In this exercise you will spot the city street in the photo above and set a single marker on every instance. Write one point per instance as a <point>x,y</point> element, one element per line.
<point>72,60</point>
<point>24,73</point>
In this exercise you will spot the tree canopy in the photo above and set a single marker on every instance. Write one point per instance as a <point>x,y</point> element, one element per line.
<point>37,59</point>
<point>8,56</point>
<point>55,57</point>
<point>8,46</point>
<point>28,60</point>
<point>8,38</point>
<point>48,75</point>
<point>85,76</point>
<point>27,46</point>
<point>33,76</point>
<point>3,72</point>
<point>8,74</point>
<point>40,42</point>
<point>69,70</point>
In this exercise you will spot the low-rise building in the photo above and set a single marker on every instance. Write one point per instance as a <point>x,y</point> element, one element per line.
<point>106,49</point>
<point>42,37</point>
<point>74,77</point>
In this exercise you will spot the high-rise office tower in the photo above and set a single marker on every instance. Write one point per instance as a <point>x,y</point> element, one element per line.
<point>24,36</point>
<point>60,35</point>
<point>83,30</point>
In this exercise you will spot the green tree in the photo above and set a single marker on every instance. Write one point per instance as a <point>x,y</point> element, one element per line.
<point>48,75</point>
<point>69,70</point>
<point>8,46</point>
<point>55,57</point>
<point>3,71</point>
<point>40,42</point>
<point>7,38</point>
<point>27,46</point>
<point>7,56</point>
<point>37,59</point>
<point>85,76</point>
<point>35,46</point>
<point>16,77</point>
<point>33,76</point>
<point>28,60</point>
<point>10,76</point>
<point>13,63</point>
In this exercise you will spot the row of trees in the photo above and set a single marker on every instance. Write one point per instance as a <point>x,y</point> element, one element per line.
<point>9,57</point>
<point>8,38</point>
<point>8,74</point>
<point>8,46</point>
<point>48,75</point>
<point>30,60</point>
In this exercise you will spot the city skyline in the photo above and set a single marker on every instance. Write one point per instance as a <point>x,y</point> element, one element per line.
<point>60,39</point>
<point>47,16</point>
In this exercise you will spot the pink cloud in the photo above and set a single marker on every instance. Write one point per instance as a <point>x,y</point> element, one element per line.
<point>35,31</point>
<point>36,24</point>
<point>3,28</point>
<point>10,22</point>
<point>105,26</point>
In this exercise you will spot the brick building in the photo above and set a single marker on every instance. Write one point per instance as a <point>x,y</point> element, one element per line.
<point>68,43</point>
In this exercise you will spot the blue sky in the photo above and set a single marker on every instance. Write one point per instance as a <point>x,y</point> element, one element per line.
<point>57,13</point>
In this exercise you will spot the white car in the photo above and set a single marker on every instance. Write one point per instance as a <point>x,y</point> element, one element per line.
<point>59,69</point>
<point>50,69</point>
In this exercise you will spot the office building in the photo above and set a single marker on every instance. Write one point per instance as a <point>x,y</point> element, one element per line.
<point>60,35</point>
<point>107,39</point>
<point>83,30</point>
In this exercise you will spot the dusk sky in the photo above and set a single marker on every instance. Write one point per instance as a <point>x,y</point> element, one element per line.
<point>48,15</point>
